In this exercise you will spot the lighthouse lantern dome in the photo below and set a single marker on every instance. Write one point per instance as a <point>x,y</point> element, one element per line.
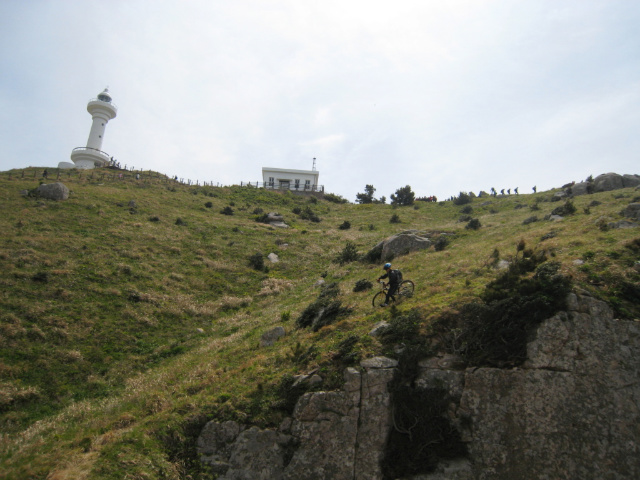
<point>104,96</point>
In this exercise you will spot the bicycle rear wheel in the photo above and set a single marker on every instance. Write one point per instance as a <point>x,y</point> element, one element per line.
<point>378,299</point>
<point>406,288</point>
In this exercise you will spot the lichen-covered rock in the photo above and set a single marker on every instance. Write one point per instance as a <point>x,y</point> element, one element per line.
<point>53,191</point>
<point>632,211</point>
<point>572,410</point>
<point>403,243</point>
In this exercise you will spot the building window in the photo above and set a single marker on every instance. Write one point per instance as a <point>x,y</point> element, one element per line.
<point>297,183</point>
<point>271,181</point>
<point>307,184</point>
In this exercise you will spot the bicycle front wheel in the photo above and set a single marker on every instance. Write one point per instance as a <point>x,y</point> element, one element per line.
<point>378,299</point>
<point>406,288</point>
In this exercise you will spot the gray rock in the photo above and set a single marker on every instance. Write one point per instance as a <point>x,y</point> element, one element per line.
<point>621,224</point>
<point>273,258</point>
<point>572,410</point>
<point>607,182</point>
<point>403,243</point>
<point>269,338</point>
<point>632,211</point>
<point>378,328</point>
<point>630,180</point>
<point>53,191</point>
<point>379,362</point>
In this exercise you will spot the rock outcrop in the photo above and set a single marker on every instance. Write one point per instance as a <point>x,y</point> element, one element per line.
<point>605,183</point>
<point>572,410</point>
<point>401,244</point>
<point>53,191</point>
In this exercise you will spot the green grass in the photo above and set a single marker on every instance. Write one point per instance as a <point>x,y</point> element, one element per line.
<point>122,332</point>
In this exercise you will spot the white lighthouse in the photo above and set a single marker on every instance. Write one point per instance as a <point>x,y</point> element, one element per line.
<point>101,110</point>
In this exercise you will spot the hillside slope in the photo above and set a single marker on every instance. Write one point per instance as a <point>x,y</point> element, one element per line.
<point>131,313</point>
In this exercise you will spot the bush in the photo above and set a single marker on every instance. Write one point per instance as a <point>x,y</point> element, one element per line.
<point>529,220</point>
<point>567,209</point>
<point>462,199</point>
<point>227,211</point>
<point>180,222</point>
<point>256,261</point>
<point>441,243</point>
<point>208,204</point>
<point>345,225</point>
<point>494,330</point>
<point>474,224</point>
<point>394,218</point>
<point>330,197</point>
<point>362,285</point>
<point>309,214</point>
<point>348,254</point>
<point>467,209</point>
<point>324,311</point>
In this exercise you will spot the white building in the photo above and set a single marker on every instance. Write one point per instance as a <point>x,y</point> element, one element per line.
<point>289,179</point>
<point>91,156</point>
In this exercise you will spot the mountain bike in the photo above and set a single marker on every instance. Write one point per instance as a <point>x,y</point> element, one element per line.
<point>405,290</point>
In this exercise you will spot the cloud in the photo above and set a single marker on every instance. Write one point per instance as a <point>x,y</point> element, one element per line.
<point>445,96</point>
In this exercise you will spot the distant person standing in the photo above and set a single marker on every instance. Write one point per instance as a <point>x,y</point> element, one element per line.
<point>45,174</point>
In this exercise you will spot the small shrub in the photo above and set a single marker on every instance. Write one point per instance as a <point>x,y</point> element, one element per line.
<point>362,285</point>
<point>345,225</point>
<point>181,222</point>
<point>567,209</point>
<point>464,218</point>
<point>309,214</point>
<point>474,224</point>
<point>257,211</point>
<point>462,199</point>
<point>208,205</point>
<point>297,210</point>
<point>256,261</point>
<point>529,220</point>
<point>227,210</point>
<point>154,219</point>
<point>324,311</point>
<point>394,218</point>
<point>330,197</point>
<point>345,355</point>
<point>441,243</point>
<point>348,254</point>
<point>467,209</point>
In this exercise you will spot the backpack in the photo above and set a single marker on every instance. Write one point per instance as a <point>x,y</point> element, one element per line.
<point>395,276</point>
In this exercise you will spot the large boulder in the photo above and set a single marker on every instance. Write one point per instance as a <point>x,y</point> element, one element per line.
<point>630,180</point>
<point>607,182</point>
<point>402,243</point>
<point>53,191</point>
<point>613,181</point>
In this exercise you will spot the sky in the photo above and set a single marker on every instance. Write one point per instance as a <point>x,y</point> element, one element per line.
<point>445,96</point>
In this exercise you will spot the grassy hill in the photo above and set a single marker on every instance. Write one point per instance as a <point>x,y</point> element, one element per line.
<point>131,313</point>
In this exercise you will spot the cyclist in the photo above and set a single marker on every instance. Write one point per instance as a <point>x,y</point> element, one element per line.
<point>394,277</point>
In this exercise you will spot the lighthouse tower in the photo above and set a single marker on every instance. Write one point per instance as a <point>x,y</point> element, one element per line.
<point>101,110</point>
